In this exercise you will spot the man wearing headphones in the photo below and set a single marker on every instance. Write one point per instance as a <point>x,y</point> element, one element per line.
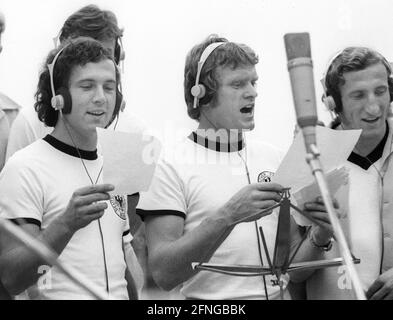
<point>89,21</point>
<point>207,197</point>
<point>8,109</point>
<point>359,90</point>
<point>53,188</point>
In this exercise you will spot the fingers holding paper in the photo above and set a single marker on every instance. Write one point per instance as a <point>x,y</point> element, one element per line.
<point>322,230</point>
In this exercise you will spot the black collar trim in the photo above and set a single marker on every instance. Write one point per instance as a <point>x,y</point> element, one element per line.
<point>70,150</point>
<point>373,156</point>
<point>217,145</point>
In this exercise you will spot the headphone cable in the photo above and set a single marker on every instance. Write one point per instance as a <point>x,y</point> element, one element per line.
<point>255,222</point>
<point>93,183</point>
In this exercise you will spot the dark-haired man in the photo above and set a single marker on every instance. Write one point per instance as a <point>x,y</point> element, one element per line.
<point>53,188</point>
<point>102,25</point>
<point>359,88</point>
<point>89,21</point>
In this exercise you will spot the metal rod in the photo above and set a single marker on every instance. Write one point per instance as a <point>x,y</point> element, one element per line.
<point>51,257</point>
<point>313,160</point>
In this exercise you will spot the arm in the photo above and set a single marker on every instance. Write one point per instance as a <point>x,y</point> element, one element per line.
<point>18,264</point>
<point>171,252</point>
<point>320,236</point>
<point>133,219</point>
<point>134,273</point>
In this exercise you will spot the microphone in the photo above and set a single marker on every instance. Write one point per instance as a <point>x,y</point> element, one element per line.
<point>297,46</point>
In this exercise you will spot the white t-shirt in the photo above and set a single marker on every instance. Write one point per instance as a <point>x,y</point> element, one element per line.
<point>37,184</point>
<point>360,204</point>
<point>193,181</point>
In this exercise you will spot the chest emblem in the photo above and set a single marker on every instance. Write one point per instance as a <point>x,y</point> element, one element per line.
<point>119,205</point>
<point>265,176</point>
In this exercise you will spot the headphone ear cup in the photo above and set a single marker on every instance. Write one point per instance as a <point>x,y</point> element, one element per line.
<point>65,93</point>
<point>119,54</point>
<point>119,106</point>
<point>62,100</point>
<point>198,91</point>
<point>57,102</point>
<point>120,103</point>
<point>122,55</point>
<point>329,103</point>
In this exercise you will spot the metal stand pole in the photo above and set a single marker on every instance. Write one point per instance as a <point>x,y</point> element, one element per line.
<point>313,160</point>
<point>51,257</point>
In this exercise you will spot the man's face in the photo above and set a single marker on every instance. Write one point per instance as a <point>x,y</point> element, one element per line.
<point>235,99</point>
<point>93,91</point>
<point>366,100</point>
<point>2,27</point>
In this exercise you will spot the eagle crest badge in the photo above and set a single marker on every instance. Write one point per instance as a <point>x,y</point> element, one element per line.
<point>265,176</point>
<point>119,205</point>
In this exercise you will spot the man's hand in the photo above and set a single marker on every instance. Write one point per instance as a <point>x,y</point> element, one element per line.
<point>321,233</point>
<point>245,205</point>
<point>382,288</point>
<point>85,206</point>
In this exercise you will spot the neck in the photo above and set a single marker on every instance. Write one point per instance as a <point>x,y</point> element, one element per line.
<point>366,145</point>
<point>65,133</point>
<point>210,131</point>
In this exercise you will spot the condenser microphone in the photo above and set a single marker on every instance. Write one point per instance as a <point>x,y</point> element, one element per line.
<point>300,68</point>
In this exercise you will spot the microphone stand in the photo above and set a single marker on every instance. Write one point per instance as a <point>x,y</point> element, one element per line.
<point>51,257</point>
<point>312,159</point>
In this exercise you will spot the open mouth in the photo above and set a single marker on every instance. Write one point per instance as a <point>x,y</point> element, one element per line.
<point>247,109</point>
<point>96,113</point>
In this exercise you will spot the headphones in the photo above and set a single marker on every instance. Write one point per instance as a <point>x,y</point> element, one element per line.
<point>62,100</point>
<point>198,91</point>
<point>328,99</point>
<point>119,51</point>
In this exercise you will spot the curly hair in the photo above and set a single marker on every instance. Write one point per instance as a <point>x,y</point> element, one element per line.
<point>229,54</point>
<point>75,52</point>
<point>91,21</point>
<point>352,59</point>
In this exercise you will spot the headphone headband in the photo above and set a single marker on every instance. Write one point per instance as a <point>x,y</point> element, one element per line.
<point>198,91</point>
<point>51,67</point>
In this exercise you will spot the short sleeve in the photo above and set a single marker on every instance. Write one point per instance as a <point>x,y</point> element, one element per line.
<point>165,195</point>
<point>21,194</point>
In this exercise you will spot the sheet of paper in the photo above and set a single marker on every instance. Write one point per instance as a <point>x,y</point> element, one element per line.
<point>334,146</point>
<point>334,179</point>
<point>129,159</point>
